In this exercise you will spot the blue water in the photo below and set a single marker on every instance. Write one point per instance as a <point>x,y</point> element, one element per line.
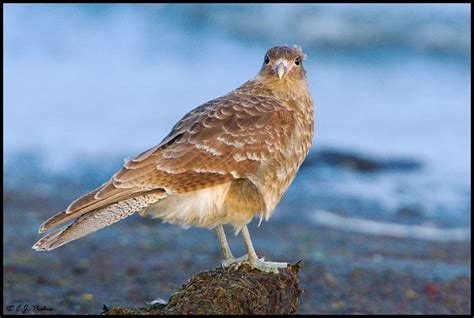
<point>88,82</point>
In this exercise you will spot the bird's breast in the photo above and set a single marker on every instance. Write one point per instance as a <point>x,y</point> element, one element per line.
<point>278,173</point>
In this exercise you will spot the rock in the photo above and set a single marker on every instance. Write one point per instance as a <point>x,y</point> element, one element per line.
<point>230,291</point>
<point>358,162</point>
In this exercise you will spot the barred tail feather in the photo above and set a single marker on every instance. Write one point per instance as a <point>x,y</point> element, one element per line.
<point>96,220</point>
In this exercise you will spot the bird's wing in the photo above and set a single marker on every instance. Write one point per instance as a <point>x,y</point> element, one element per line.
<point>225,139</point>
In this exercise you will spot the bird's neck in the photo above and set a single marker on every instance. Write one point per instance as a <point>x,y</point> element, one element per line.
<point>284,89</point>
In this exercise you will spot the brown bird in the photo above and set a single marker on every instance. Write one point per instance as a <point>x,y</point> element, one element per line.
<point>224,162</point>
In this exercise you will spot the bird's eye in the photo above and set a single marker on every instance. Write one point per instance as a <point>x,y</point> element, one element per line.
<point>267,59</point>
<point>297,61</point>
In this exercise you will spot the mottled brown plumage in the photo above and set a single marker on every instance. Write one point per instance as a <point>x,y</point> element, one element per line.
<point>224,162</point>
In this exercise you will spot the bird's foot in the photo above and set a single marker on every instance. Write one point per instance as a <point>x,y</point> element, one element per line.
<point>236,262</point>
<point>227,262</point>
<point>259,264</point>
<point>269,267</point>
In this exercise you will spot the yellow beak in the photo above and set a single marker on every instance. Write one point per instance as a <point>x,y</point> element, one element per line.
<point>281,70</point>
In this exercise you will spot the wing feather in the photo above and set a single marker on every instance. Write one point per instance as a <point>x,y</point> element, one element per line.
<point>222,140</point>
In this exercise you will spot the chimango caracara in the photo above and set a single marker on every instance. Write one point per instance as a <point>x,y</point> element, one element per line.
<point>225,162</point>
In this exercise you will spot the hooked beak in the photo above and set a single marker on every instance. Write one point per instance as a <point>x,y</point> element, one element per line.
<point>281,68</point>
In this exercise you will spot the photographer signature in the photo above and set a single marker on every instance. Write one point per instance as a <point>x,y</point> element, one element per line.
<point>25,308</point>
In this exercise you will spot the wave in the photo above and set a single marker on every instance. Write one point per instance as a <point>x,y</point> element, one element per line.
<point>339,29</point>
<point>371,227</point>
<point>433,28</point>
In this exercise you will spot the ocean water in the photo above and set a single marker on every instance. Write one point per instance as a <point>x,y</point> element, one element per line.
<point>87,83</point>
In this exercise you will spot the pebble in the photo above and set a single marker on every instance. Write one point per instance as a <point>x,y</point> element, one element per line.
<point>87,297</point>
<point>411,294</point>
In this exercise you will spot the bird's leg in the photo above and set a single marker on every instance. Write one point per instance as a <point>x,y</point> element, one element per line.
<point>228,257</point>
<point>253,259</point>
<point>252,256</point>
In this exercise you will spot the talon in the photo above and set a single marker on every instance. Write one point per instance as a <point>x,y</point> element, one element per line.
<point>227,262</point>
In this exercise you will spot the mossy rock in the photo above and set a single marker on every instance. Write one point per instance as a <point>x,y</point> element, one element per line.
<point>241,290</point>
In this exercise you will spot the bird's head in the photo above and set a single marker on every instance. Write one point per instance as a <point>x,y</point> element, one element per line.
<point>283,63</point>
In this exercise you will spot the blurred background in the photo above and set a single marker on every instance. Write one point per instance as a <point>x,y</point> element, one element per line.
<point>379,212</point>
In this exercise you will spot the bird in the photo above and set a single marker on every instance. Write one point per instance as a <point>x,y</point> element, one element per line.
<point>225,162</point>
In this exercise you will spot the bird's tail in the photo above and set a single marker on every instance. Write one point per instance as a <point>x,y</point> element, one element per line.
<point>96,220</point>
